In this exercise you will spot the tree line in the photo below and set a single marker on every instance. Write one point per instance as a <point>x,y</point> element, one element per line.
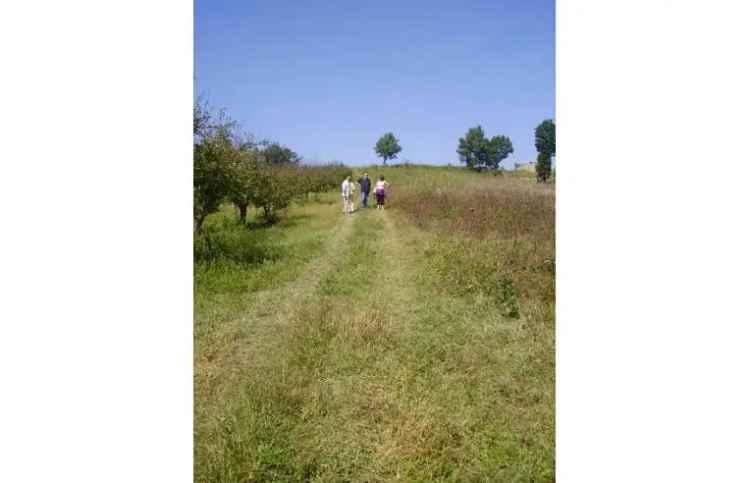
<point>229,166</point>
<point>480,153</point>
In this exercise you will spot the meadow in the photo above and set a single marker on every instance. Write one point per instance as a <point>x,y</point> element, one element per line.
<point>411,344</point>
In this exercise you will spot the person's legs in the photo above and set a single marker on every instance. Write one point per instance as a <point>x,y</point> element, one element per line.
<point>362,198</point>
<point>346,204</point>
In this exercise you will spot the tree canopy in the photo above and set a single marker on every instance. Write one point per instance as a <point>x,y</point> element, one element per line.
<point>478,152</point>
<point>387,147</point>
<point>278,155</point>
<point>545,137</point>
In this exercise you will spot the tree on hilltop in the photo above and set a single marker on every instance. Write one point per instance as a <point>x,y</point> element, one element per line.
<point>479,153</point>
<point>387,147</point>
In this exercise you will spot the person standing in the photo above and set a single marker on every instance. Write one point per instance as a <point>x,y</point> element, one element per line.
<point>380,187</point>
<point>347,193</point>
<point>364,190</point>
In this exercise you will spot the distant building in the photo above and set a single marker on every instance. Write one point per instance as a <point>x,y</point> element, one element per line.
<point>526,166</point>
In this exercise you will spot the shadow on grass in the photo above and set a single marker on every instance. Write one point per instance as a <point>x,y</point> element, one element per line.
<point>286,221</point>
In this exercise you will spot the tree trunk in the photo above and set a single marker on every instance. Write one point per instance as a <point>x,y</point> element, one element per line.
<point>243,212</point>
<point>199,224</point>
<point>268,213</point>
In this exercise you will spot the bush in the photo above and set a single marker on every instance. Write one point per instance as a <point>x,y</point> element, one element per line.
<point>235,243</point>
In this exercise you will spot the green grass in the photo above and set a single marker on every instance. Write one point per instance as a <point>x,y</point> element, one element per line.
<point>370,347</point>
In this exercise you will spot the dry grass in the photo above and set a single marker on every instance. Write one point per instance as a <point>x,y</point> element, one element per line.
<point>497,207</point>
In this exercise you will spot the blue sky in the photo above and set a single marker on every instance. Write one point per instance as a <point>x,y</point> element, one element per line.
<point>327,78</point>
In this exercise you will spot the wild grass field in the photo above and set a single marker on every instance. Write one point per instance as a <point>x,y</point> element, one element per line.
<point>411,344</point>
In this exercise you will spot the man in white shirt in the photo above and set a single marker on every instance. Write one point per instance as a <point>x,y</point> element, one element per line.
<point>347,193</point>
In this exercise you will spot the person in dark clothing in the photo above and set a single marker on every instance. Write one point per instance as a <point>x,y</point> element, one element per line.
<point>364,185</point>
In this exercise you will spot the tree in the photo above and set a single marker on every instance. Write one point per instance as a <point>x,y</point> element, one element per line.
<point>246,173</point>
<point>544,135</point>
<point>278,155</point>
<point>387,147</point>
<point>273,189</point>
<point>479,153</point>
<point>215,159</point>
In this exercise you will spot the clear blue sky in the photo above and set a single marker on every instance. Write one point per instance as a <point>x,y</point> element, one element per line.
<point>327,78</point>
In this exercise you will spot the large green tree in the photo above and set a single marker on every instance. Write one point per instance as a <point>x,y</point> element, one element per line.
<point>387,147</point>
<point>479,153</point>
<point>544,135</point>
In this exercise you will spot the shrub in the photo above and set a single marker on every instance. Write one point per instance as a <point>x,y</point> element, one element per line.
<point>229,242</point>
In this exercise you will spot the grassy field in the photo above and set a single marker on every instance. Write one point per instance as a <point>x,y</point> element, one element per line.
<point>411,344</point>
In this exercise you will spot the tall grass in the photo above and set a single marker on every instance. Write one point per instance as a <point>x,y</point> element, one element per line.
<point>496,233</point>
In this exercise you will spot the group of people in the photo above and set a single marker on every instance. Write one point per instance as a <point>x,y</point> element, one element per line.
<point>348,188</point>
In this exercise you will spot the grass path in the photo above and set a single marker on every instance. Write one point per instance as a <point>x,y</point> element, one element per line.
<point>265,314</point>
<point>361,370</point>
